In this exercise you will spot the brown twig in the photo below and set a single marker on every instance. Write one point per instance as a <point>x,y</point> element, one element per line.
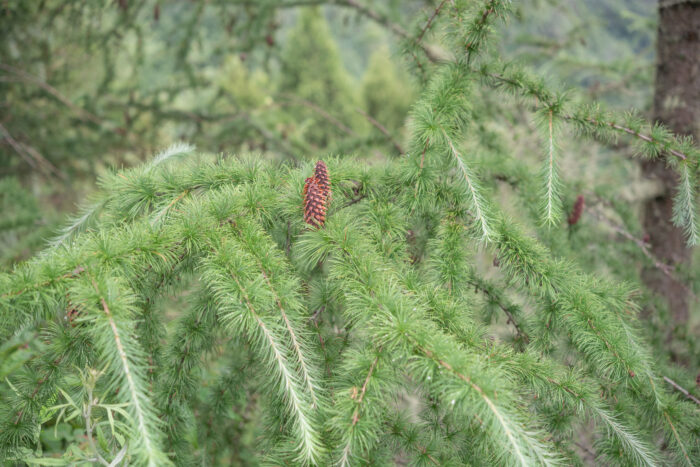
<point>84,114</point>
<point>610,347</point>
<point>637,134</point>
<point>682,390</point>
<point>361,396</point>
<point>643,246</point>
<point>353,201</point>
<point>506,309</point>
<point>382,129</point>
<point>30,154</point>
<point>310,105</point>
<point>430,21</point>
<point>393,27</point>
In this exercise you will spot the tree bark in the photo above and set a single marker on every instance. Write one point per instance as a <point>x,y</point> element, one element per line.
<point>677,105</point>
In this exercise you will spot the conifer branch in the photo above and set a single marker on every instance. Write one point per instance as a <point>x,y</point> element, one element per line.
<point>82,113</point>
<point>678,439</point>
<point>389,270</point>
<point>635,447</point>
<point>220,270</point>
<point>361,9</point>
<point>481,212</point>
<point>519,443</point>
<point>295,343</point>
<point>326,115</point>
<point>254,241</point>
<point>575,300</point>
<point>410,437</point>
<point>635,133</point>
<point>357,397</point>
<point>421,320</point>
<point>37,388</point>
<point>128,362</point>
<point>552,209</point>
<point>589,120</point>
<point>355,415</point>
<point>505,423</point>
<point>684,209</point>
<point>309,447</point>
<point>31,155</point>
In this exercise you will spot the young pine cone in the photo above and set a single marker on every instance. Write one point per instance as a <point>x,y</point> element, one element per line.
<point>577,210</point>
<point>321,177</point>
<point>317,193</point>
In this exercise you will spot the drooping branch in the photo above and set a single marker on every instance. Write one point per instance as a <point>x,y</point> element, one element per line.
<point>518,83</point>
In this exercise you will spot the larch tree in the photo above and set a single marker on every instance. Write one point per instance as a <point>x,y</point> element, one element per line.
<point>441,305</point>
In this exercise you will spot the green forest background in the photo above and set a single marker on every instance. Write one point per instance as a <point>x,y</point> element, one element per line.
<point>86,87</point>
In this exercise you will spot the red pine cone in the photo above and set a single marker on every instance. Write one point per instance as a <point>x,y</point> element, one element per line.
<point>314,204</point>
<point>577,210</point>
<point>317,193</point>
<point>306,188</point>
<point>321,176</point>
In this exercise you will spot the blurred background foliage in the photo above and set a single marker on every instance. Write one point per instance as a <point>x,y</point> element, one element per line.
<point>85,86</point>
<point>89,85</point>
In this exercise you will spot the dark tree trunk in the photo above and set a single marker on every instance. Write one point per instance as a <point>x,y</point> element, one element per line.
<point>677,105</point>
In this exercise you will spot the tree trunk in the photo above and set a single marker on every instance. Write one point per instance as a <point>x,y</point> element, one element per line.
<point>677,105</point>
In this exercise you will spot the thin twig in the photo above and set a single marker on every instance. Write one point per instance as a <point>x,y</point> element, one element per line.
<point>84,114</point>
<point>681,389</point>
<point>382,129</point>
<point>361,396</point>
<point>430,21</point>
<point>310,105</point>
<point>506,309</point>
<point>30,155</point>
<point>586,450</point>
<point>393,27</point>
<point>664,268</point>
<point>352,201</point>
<point>629,131</point>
